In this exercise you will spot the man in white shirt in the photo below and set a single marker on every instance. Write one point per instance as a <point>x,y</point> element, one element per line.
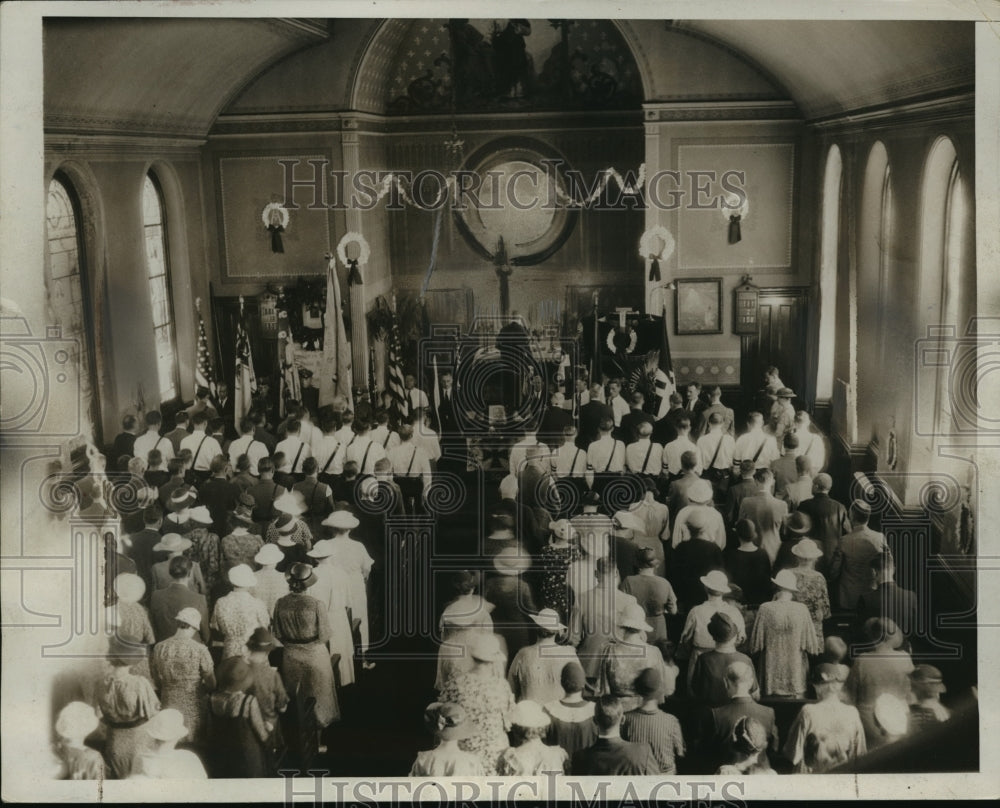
<point>203,447</point>
<point>755,445</point>
<point>569,461</point>
<point>294,448</point>
<point>605,457</point>
<point>328,451</point>
<point>812,443</point>
<point>654,515</point>
<point>700,496</point>
<point>619,406</point>
<point>345,432</point>
<point>519,451</point>
<point>425,437</point>
<point>411,468</point>
<point>152,439</point>
<point>381,433</point>
<point>363,450</point>
<point>644,456</point>
<point>716,449</point>
<point>580,397</point>
<point>414,399</point>
<point>246,444</point>
<point>672,451</point>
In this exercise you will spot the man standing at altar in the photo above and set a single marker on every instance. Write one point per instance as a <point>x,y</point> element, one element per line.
<point>514,344</point>
<point>414,398</point>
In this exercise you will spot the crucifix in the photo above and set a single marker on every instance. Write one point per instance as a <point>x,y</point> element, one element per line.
<point>503,270</point>
<point>623,312</point>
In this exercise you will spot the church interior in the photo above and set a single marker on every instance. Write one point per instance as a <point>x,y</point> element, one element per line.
<point>754,194</point>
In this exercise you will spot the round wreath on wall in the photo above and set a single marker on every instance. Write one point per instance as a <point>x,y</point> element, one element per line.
<point>656,244</point>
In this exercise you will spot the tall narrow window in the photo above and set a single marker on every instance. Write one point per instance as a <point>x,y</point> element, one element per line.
<point>68,290</point>
<point>157,263</point>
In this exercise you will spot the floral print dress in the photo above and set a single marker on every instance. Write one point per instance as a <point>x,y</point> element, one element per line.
<point>555,561</point>
<point>487,702</point>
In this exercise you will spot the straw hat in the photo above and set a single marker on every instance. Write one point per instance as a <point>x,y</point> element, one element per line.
<point>786,580</point>
<point>529,714</point>
<point>242,575</point>
<point>697,518</point>
<point>628,521</point>
<point>700,492</point>
<point>717,581</point>
<point>76,720</point>
<point>341,520</point>
<point>511,561</point>
<point>172,543</point>
<point>182,497</point>
<point>301,572</point>
<point>806,548</point>
<point>269,554</point>
<point>549,619</point>
<point>189,616</point>
<point>201,515</point>
<point>289,503</point>
<point>323,549</point>
<point>285,523</point>
<point>827,672</point>
<point>167,725</point>
<point>798,523</point>
<point>448,721</point>
<point>634,617</point>
<point>484,648</point>
<point>130,587</point>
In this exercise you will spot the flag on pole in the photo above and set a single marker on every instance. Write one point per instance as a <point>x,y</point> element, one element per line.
<point>664,377</point>
<point>395,364</point>
<point>335,370</point>
<point>245,386</point>
<point>290,385</point>
<point>437,394</point>
<point>203,374</point>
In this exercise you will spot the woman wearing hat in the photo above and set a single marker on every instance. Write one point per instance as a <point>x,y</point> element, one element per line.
<point>927,710</point>
<point>163,761</point>
<point>884,669</point>
<point>529,755</point>
<point>76,721</point>
<point>267,687</point>
<point>183,672</point>
<point>695,638</point>
<point>536,670</point>
<point>287,524</point>
<point>654,594</point>
<point>487,700</point>
<point>271,584</point>
<point>179,504</point>
<point>812,589</point>
<point>782,636</point>
<point>240,545</point>
<point>293,550</point>
<point>332,586</point>
<point>302,626</point>
<point>647,723</point>
<point>449,725</point>
<point>465,617</point>
<point>352,557</point>
<point>239,733</point>
<point>512,597</point>
<point>129,615</point>
<point>708,683</point>
<point>194,524</point>
<point>556,557</point>
<point>237,614</point>
<point>626,656</point>
<point>829,732</point>
<point>126,702</point>
<point>171,546</point>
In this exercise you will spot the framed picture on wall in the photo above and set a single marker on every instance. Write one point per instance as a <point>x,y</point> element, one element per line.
<point>698,306</point>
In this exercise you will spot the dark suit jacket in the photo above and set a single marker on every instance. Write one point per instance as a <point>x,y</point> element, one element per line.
<point>829,522</point>
<point>737,493</point>
<point>220,496</point>
<point>628,430</point>
<point>715,742</point>
<point>164,604</point>
<point>677,494</point>
<point>175,436</point>
<point>142,554</point>
<point>692,559</point>
<point>447,421</point>
<point>266,438</point>
<point>614,756</point>
<point>892,601</point>
<point>553,422</point>
<point>124,445</point>
<point>591,415</point>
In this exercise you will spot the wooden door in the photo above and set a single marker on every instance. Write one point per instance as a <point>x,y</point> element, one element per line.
<point>780,341</point>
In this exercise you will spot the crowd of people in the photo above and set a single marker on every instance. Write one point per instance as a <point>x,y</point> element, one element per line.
<point>648,589</point>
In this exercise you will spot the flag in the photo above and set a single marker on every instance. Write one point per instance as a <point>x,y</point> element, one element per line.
<point>335,369</point>
<point>203,374</point>
<point>437,394</point>
<point>245,386</point>
<point>664,377</point>
<point>395,365</point>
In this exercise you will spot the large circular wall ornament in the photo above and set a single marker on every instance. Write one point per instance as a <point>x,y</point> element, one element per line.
<point>518,200</point>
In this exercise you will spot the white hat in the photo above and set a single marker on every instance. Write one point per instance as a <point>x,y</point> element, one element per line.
<point>529,714</point>
<point>76,720</point>
<point>322,549</point>
<point>130,587</point>
<point>172,543</point>
<point>341,520</point>
<point>269,554</point>
<point>700,492</point>
<point>242,575</point>
<point>189,616</point>
<point>786,580</point>
<point>201,515</point>
<point>484,647</point>
<point>290,503</point>
<point>627,520</point>
<point>806,548</point>
<point>549,619</point>
<point>634,616</point>
<point>717,581</point>
<point>563,529</point>
<point>167,725</point>
<point>508,487</point>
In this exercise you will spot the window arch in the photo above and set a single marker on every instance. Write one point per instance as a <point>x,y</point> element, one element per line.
<point>154,227</point>
<point>69,290</point>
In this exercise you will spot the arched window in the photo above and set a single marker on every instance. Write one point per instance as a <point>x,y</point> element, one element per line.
<point>158,266</point>
<point>69,295</point>
<point>829,238</point>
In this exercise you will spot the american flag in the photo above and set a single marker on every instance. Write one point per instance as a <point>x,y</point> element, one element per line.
<point>395,365</point>
<point>246,381</point>
<point>203,374</point>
